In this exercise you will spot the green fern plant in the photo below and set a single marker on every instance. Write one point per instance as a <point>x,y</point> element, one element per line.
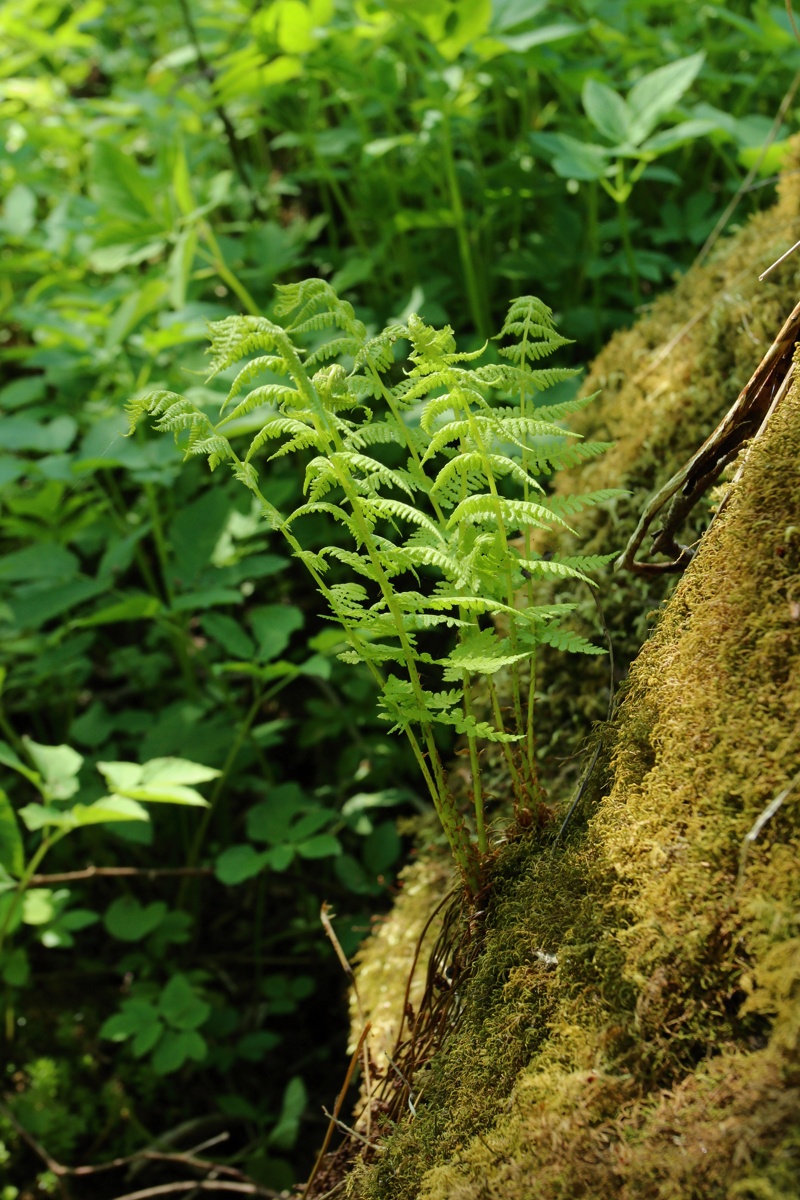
<point>430,540</point>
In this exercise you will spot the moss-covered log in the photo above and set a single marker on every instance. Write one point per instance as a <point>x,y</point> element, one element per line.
<point>659,1056</point>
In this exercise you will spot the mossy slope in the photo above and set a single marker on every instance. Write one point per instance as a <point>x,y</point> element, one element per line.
<point>659,1058</point>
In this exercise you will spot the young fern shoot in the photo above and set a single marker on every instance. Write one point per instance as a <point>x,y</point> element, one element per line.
<point>428,523</point>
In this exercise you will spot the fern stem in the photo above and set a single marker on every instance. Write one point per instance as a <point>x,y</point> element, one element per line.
<point>627,245</point>
<point>443,800</point>
<point>475,768</point>
<point>489,473</point>
<point>530,739</point>
<point>519,790</point>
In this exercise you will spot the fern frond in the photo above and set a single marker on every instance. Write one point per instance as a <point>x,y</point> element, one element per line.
<point>215,447</point>
<point>235,338</point>
<point>152,404</point>
<point>269,393</point>
<point>276,427</point>
<point>483,653</point>
<point>264,362</point>
<point>470,727</point>
<point>348,600</point>
<point>553,568</point>
<point>567,640</point>
<point>335,348</point>
<point>375,652</point>
<point>376,433</point>
<point>523,380</point>
<point>557,412</point>
<point>379,350</point>
<point>516,514</point>
<point>381,506</point>
<point>567,506</point>
<point>589,562</point>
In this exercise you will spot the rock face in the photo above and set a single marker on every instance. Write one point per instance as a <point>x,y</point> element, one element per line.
<point>632,1026</point>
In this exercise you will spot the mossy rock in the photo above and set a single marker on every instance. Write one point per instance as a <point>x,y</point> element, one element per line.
<point>659,1057</point>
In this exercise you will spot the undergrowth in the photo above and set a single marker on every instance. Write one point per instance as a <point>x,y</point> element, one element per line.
<point>467,435</point>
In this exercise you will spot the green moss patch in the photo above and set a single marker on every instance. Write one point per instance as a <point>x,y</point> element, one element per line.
<point>632,1026</point>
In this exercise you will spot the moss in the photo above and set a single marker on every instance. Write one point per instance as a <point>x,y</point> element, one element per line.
<point>664,384</point>
<point>660,1057</point>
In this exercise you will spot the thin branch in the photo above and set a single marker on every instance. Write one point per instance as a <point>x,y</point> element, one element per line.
<point>337,1108</point>
<point>353,1132</point>
<point>52,1164</point>
<point>230,133</point>
<point>92,872</point>
<point>200,1185</point>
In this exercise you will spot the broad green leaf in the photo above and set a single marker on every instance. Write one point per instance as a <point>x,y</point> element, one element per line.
<point>58,766</point>
<point>280,857</point>
<point>229,634</point>
<point>679,135</point>
<point>167,793</point>
<point>181,183</point>
<point>130,921</point>
<point>120,775</point>
<point>175,1048</point>
<point>135,608</point>
<point>134,308</point>
<point>36,816</point>
<point>110,808</point>
<point>158,782</point>
<point>325,845</point>
<point>207,598</point>
<point>238,863</point>
<point>271,820</point>
<point>9,759</point>
<point>12,858</point>
<point>273,626</point>
<point>293,25</point>
<point>146,1039</point>
<point>180,1005</point>
<point>35,608</point>
<point>137,1018</point>
<point>14,967</point>
<point>120,186</point>
<point>472,19</point>
<point>19,211</point>
<point>193,535</point>
<point>176,770</point>
<point>607,111</point>
<point>572,159</point>
<point>656,94</point>
<point>255,1046</point>
<point>45,560</point>
<point>382,848</point>
<point>38,906</point>
<point>295,1099</point>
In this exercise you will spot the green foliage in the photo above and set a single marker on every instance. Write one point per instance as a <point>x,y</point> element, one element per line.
<point>439,510</point>
<point>155,176</point>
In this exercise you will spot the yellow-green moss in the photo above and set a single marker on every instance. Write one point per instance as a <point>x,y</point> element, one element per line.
<point>659,1059</point>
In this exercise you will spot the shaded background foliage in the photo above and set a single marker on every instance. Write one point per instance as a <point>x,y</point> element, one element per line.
<point>163,165</point>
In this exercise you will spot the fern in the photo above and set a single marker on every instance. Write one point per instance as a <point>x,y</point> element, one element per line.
<point>430,537</point>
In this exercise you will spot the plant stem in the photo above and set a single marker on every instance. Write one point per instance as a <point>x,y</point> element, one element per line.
<point>622,209</point>
<point>226,274</point>
<point>462,232</point>
<point>46,844</point>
